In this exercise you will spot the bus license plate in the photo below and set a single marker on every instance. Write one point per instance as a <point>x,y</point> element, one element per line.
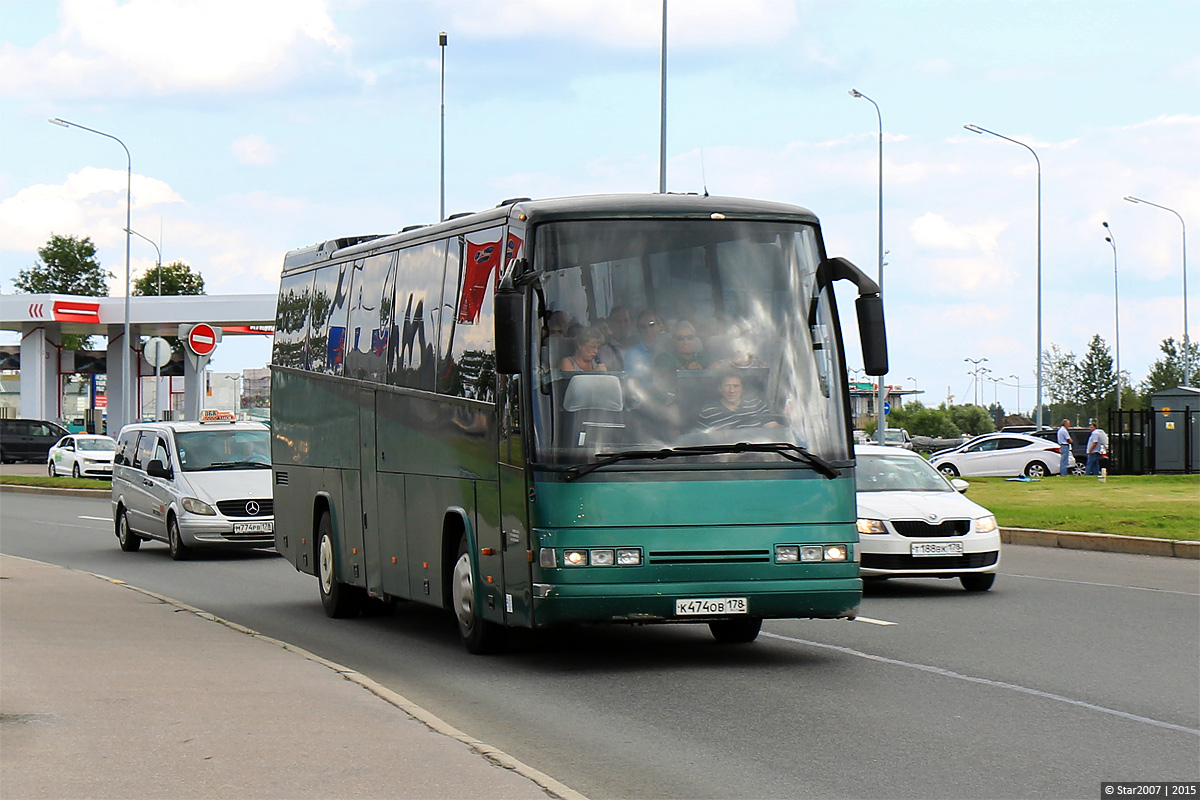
<point>938,549</point>
<point>254,527</point>
<point>708,606</point>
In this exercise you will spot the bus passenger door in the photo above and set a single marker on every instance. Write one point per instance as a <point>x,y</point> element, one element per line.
<point>514,514</point>
<point>370,498</point>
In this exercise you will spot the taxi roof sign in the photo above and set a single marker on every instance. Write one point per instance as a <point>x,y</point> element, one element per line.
<point>215,415</point>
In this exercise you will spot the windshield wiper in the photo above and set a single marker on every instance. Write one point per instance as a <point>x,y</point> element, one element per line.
<point>236,465</point>
<point>792,452</point>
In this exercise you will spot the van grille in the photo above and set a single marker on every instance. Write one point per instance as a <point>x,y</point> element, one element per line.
<point>246,508</point>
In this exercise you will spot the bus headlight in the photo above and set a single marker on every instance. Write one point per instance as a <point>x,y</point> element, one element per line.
<point>629,557</point>
<point>787,553</point>
<point>835,552</point>
<point>575,558</point>
<point>811,552</point>
<point>602,558</point>
<point>548,558</point>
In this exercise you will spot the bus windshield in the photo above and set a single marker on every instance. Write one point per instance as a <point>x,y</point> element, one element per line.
<point>688,336</point>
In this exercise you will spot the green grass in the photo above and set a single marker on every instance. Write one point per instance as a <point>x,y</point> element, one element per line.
<point>57,483</point>
<point>1162,506</point>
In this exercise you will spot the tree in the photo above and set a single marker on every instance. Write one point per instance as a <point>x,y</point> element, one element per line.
<point>177,278</point>
<point>67,265</point>
<point>1167,372</point>
<point>1097,381</point>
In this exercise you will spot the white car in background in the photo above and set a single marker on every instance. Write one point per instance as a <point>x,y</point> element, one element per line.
<point>914,523</point>
<point>82,455</point>
<point>1000,454</point>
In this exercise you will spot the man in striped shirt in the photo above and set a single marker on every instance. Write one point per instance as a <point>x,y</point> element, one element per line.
<point>736,411</point>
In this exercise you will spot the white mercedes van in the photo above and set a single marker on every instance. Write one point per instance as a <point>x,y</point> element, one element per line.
<point>194,484</point>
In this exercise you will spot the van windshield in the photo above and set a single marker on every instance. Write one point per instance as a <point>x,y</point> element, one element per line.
<point>224,449</point>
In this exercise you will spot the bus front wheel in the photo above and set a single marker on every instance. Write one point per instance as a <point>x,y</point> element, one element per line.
<point>478,635</point>
<point>339,600</point>
<point>735,631</point>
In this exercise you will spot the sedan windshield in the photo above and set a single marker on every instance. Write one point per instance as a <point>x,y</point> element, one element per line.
<point>101,445</point>
<point>887,473</point>
<point>685,339</point>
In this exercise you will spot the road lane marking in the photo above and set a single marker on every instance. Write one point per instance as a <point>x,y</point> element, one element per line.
<point>875,621</point>
<point>1103,585</point>
<point>101,519</point>
<point>985,682</point>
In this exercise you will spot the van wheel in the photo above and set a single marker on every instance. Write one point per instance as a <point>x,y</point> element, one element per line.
<point>478,635</point>
<point>735,631</point>
<point>340,600</point>
<point>128,540</point>
<point>179,550</point>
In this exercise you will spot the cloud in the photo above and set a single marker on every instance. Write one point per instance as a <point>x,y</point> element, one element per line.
<point>90,202</point>
<point>108,49</point>
<point>634,24</point>
<point>254,150</point>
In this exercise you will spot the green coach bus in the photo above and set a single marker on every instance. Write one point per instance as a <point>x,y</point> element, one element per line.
<point>617,409</point>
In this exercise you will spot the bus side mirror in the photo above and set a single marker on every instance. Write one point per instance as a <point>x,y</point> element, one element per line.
<point>872,333</point>
<point>510,330</point>
<point>869,305</point>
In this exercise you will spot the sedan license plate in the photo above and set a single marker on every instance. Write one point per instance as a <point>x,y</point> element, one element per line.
<point>254,527</point>
<point>938,549</point>
<point>707,606</point>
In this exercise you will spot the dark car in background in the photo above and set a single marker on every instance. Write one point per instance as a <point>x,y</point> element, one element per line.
<point>28,439</point>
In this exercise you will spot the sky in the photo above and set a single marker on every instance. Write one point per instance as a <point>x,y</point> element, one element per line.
<point>258,126</point>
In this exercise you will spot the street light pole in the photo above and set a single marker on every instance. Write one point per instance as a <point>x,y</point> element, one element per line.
<point>442,182</point>
<point>882,412</point>
<point>662,114</point>
<point>1116,312</point>
<point>977,129</point>
<point>127,399</point>
<point>158,273</point>
<point>975,374</point>
<point>1187,354</point>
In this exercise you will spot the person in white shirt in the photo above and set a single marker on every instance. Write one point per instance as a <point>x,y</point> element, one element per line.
<point>1064,446</point>
<point>1097,448</point>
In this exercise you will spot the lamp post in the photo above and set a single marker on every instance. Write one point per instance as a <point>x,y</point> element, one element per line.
<point>442,182</point>
<point>662,114</point>
<point>237,395</point>
<point>1187,354</point>
<point>882,412</point>
<point>975,374</point>
<point>158,273</point>
<point>127,400</point>
<point>977,129</point>
<point>1116,312</point>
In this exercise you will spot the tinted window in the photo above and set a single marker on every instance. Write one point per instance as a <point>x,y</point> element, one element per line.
<point>145,451</point>
<point>291,321</point>
<point>370,320</point>
<point>418,292</point>
<point>468,351</point>
<point>327,319</point>
<point>127,448</point>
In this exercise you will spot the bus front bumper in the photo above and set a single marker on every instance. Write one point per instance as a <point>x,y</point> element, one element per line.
<point>820,598</point>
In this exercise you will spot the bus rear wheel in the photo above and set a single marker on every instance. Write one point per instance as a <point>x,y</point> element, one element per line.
<point>340,600</point>
<point>735,631</point>
<point>478,635</point>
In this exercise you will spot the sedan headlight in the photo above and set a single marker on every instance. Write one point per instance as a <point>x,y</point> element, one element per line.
<point>195,506</point>
<point>871,526</point>
<point>986,524</point>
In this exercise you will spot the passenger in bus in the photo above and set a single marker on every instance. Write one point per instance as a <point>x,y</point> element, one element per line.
<point>734,410</point>
<point>685,350</point>
<point>640,355</point>
<point>587,349</point>
<point>743,356</point>
<point>621,335</point>
<point>556,324</point>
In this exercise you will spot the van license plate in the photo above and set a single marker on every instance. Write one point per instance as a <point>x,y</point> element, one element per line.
<point>938,549</point>
<point>254,527</point>
<point>710,605</point>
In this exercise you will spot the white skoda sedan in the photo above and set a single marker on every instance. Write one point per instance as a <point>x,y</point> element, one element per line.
<point>914,523</point>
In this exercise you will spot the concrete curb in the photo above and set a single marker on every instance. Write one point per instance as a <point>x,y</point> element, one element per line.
<point>16,487</point>
<point>1103,542</point>
<point>552,787</point>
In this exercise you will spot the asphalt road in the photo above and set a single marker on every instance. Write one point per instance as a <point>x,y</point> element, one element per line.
<point>1077,668</point>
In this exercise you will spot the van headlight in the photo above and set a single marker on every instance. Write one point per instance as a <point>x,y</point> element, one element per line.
<point>194,506</point>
